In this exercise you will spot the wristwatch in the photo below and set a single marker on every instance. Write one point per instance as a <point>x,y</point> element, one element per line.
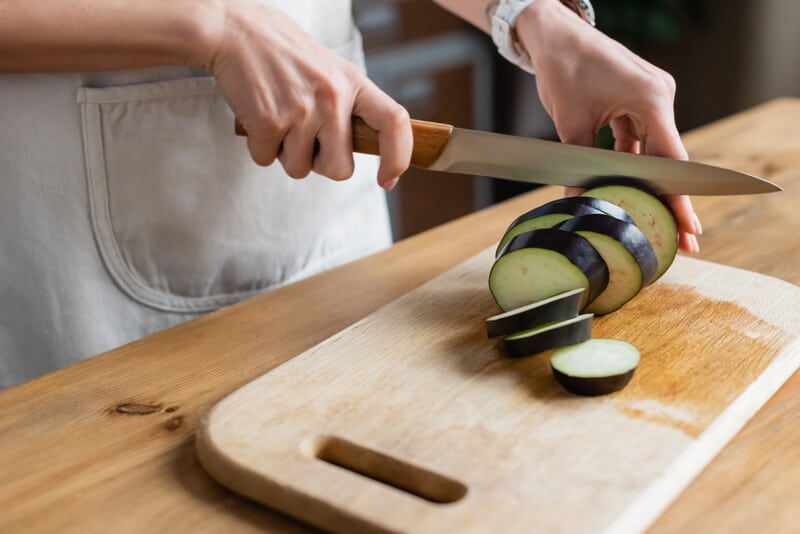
<point>504,21</point>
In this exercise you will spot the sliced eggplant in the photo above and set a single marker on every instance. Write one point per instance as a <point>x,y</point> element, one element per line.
<point>552,335</point>
<point>542,263</point>
<point>652,217</point>
<point>557,308</point>
<point>550,214</point>
<point>631,260</point>
<point>595,367</point>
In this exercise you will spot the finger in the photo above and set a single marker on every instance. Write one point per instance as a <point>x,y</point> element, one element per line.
<point>393,124</point>
<point>685,215</point>
<point>391,184</point>
<point>577,133</point>
<point>627,145</point>
<point>664,140</point>
<point>625,137</point>
<point>662,137</point>
<point>264,143</point>
<point>573,191</point>
<point>335,156</point>
<point>297,155</point>
<point>688,243</point>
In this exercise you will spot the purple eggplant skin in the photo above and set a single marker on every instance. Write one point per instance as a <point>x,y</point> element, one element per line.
<point>556,310</point>
<point>575,248</point>
<point>654,218</point>
<point>569,334</point>
<point>569,206</point>
<point>574,206</point>
<point>627,234</point>
<point>594,386</point>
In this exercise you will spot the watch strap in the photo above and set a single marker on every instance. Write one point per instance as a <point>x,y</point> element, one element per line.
<point>504,22</point>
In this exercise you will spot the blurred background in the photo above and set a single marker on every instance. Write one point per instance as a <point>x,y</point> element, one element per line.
<point>726,56</point>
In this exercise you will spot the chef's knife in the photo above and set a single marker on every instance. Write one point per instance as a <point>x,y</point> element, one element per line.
<point>441,147</point>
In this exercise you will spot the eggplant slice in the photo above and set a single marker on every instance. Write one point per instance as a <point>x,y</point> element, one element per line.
<point>652,217</point>
<point>558,334</point>
<point>631,260</point>
<point>557,308</point>
<point>542,263</point>
<point>595,367</point>
<point>556,211</point>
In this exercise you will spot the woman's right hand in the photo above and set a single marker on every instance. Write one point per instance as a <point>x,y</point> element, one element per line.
<point>288,91</point>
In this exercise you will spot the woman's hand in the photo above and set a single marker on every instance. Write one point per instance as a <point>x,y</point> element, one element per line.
<point>587,80</point>
<point>289,91</point>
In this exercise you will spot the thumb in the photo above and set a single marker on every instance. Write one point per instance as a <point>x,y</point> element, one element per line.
<point>393,125</point>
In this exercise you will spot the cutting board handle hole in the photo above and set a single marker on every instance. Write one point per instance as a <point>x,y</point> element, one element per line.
<point>380,467</point>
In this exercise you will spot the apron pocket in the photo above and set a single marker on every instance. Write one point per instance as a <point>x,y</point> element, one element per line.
<point>182,218</point>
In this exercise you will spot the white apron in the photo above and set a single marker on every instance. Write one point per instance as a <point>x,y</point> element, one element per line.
<point>127,206</point>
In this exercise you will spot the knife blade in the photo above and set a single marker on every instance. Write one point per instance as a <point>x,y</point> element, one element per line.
<point>442,147</point>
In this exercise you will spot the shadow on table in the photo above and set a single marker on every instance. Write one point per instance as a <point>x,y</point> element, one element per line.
<point>243,514</point>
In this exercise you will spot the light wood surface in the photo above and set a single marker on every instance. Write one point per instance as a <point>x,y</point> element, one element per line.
<point>108,444</point>
<point>430,139</point>
<point>418,397</point>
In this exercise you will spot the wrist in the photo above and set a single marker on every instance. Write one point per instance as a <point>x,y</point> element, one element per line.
<point>549,26</point>
<point>513,22</point>
<point>538,12</point>
<point>201,32</point>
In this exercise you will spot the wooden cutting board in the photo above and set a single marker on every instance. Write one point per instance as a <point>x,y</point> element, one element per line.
<point>451,436</point>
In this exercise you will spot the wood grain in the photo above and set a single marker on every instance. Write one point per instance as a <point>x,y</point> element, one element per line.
<point>430,139</point>
<point>70,462</point>
<point>751,485</point>
<point>417,388</point>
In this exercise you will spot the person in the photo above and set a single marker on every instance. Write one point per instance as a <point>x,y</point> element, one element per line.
<point>128,205</point>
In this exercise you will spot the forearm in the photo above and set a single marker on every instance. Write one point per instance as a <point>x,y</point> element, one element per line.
<point>476,12</point>
<point>84,35</point>
<point>479,12</point>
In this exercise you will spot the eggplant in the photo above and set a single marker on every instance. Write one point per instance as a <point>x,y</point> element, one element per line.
<point>549,336</point>
<point>557,308</point>
<point>556,211</point>
<point>631,260</point>
<point>595,367</point>
<point>542,263</point>
<point>651,215</point>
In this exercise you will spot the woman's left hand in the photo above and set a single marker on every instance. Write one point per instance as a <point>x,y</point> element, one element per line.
<point>587,80</point>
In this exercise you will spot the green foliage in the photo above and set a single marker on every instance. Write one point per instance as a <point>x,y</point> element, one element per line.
<point>639,23</point>
<point>636,23</point>
<point>605,138</point>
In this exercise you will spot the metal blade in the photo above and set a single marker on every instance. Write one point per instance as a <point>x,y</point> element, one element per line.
<point>547,162</point>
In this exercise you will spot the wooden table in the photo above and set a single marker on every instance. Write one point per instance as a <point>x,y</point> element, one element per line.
<point>107,445</point>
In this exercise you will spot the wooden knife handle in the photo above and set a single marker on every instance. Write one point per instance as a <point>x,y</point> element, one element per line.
<point>430,138</point>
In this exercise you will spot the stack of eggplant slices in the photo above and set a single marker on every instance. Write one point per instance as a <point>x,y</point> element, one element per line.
<point>570,259</point>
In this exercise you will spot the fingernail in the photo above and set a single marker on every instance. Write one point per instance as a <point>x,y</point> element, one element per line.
<point>390,184</point>
<point>698,228</point>
<point>695,246</point>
